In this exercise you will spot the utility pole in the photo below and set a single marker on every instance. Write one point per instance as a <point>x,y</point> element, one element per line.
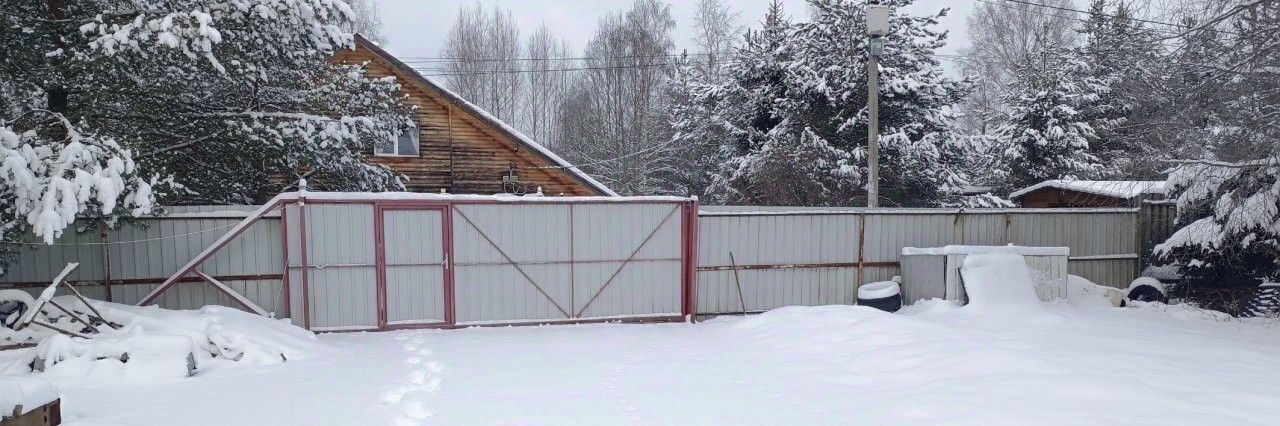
<point>877,26</point>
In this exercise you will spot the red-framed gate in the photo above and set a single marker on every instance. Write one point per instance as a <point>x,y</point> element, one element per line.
<point>387,261</point>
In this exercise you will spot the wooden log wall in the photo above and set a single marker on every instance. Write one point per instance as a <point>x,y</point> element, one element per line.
<point>459,151</point>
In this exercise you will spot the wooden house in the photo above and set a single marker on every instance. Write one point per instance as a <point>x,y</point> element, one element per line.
<point>458,147</point>
<point>1087,193</point>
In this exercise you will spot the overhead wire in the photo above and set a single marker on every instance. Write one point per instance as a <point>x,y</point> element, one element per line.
<point>1182,28</point>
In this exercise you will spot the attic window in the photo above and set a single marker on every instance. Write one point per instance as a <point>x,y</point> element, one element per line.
<point>404,145</point>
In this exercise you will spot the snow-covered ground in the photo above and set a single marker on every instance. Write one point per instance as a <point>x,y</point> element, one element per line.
<point>934,363</point>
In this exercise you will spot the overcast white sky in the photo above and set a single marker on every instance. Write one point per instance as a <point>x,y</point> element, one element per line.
<point>417,28</point>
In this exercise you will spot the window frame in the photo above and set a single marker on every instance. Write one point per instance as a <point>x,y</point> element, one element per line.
<point>416,132</point>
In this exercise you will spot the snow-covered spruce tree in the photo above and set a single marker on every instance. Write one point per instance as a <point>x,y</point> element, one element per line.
<point>1050,131</point>
<point>697,128</point>
<point>1229,200</point>
<point>1228,223</point>
<point>1124,55</point>
<point>804,84</point>
<point>231,99</point>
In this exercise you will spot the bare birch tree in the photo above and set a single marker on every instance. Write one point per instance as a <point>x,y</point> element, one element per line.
<point>481,58</point>
<point>716,33</point>
<point>367,20</point>
<point>548,77</point>
<point>1002,33</point>
<point>615,123</point>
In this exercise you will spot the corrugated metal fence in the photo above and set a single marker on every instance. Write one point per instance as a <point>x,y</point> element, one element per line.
<point>763,258</point>
<point>123,265</point>
<point>565,251</point>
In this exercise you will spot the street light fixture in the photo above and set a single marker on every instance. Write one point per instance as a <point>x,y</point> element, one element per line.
<point>877,26</point>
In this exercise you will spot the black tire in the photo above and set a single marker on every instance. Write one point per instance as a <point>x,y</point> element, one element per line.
<point>887,304</point>
<point>1147,293</point>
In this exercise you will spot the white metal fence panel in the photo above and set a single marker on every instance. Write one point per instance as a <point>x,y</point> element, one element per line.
<point>341,266</point>
<point>511,262</point>
<point>760,262</point>
<point>413,253</point>
<point>630,259</point>
<point>772,246</point>
<point>123,265</point>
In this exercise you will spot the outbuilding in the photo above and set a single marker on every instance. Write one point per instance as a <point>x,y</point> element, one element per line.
<point>1087,193</point>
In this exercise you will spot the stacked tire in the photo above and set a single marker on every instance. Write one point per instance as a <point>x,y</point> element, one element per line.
<point>1147,289</point>
<point>883,295</point>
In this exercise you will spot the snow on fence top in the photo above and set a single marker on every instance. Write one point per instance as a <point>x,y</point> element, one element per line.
<point>1111,188</point>
<point>705,210</point>
<point>958,249</point>
<point>506,198</point>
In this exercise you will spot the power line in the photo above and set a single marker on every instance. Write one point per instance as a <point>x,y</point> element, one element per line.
<point>438,71</point>
<point>445,59</point>
<point>1179,27</point>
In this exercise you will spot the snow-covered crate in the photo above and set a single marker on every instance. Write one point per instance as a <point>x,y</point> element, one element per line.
<point>935,272</point>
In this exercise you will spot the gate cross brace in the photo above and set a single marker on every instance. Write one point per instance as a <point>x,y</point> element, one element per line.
<point>628,261</point>
<point>513,263</point>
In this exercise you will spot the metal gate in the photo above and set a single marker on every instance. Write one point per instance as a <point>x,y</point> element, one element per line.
<point>412,265</point>
<point>357,261</point>
<point>568,261</point>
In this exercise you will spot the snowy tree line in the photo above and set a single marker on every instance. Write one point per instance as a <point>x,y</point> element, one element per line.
<point>775,113</point>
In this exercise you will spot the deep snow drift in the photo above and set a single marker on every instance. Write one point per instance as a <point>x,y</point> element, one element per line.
<point>934,363</point>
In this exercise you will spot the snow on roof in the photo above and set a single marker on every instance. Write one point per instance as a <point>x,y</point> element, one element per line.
<point>502,126</point>
<point>1110,188</point>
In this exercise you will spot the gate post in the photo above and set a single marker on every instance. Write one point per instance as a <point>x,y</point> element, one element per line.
<point>689,231</point>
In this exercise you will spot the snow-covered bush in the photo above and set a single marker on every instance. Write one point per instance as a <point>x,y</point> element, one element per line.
<point>1228,223</point>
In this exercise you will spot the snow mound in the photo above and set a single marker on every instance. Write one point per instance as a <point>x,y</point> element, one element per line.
<point>156,345</point>
<point>1083,293</point>
<point>29,392</point>
<point>879,290</point>
<point>998,281</point>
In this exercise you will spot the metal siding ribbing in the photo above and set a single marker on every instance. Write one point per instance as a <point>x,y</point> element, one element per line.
<point>780,236</point>
<point>632,257</point>
<point>487,286</point>
<point>590,260</point>
<point>1091,234</point>
<point>1108,272</point>
<point>776,240</point>
<point>152,249</point>
<point>414,256</point>
<point>340,245</point>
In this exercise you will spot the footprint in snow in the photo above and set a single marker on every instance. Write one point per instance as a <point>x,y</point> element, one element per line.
<point>415,405</point>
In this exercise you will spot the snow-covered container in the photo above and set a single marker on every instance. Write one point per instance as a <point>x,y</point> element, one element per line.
<point>935,272</point>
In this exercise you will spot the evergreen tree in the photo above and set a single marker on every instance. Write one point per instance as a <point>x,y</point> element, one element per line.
<point>1228,223</point>
<point>228,99</point>
<point>1050,133</point>
<point>1124,55</point>
<point>697,128</point>
<point>802,86</point>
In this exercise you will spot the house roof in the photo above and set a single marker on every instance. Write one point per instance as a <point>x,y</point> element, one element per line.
<point>498,125</point>
<point>1110,188</point>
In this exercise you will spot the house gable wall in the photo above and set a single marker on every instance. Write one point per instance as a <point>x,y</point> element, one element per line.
<point>460,152</point>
